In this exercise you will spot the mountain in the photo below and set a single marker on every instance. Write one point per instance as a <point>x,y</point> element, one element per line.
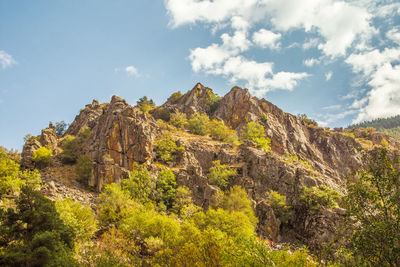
<point>390,126</point>
<point>119,135</point>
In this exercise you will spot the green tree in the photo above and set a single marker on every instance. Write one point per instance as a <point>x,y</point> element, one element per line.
<point>220,175</point>
<point>83,168</point>
<point>79,217</point>
<point>279,205</point>
<point>33,234</point>
<point>140,184</point>
<point>61,127</point>
<point>166,148</point>
<point>70,149</point>
<point>219,131</point>
<point>178,119</point>
<point>166,187</point>
<point>174,98</point>
<point>255,132</point>
<point>42,156</point>
<point>373,211</point>
<point>198,123</point>
<point>145,104</point>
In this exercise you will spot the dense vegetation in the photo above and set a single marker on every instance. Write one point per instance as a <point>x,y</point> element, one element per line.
<point>390,126</point>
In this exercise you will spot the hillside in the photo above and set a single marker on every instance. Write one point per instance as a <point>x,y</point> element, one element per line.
<point>209,148</point>
<point>390,126</point>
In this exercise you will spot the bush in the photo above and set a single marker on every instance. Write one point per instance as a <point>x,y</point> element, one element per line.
<point>70,149</point>
<point>178,119</point>
<point>42,156</point>
<point>140,185</point>
<point>279,205</point>
<point>175,97</point>
<point>255,132</point>
<point>83,168</point>
<point>220,174</point>
<point>318,197</point>
<point>307,120</point>
<point>219,131</point>
<point>166,148</point>
<point>198,124</point>
<point>84,134</point>
<point>166,187</point>
<point>145,105</point>
<point>264,118</point>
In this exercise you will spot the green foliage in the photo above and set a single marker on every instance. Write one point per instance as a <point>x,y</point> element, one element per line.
<point>178,119</point>
<point>348,134</point>
<point>255,132</point>
<point>145,105</point>
<point>166,148</point>
<point>219,174</point>
<point>83,168</point>
<point>307,120</point>
<point>61,127</point>
<point>294,159</point>
<point>279,205</point>
<point>84,134</point>
<point>30,138</point>
<point>174,98</point>
<point>219,131</point>
<point>198,123</point>
<point>42,156</point>
<point>379,124</point>
<point>33,234</point>
<point>393,132</point>
<point>237,200</point>
<point>318,197</point>
<point>114,205</point>
<point>166,187</point>
<point>140,185</point>
<point>183,199</point>
<point>77,216</point>
<point>264,118</point>
<point>70,149</point>
<point>373,211</point>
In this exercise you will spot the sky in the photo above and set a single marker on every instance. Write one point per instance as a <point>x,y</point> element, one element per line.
<point>336,61</point>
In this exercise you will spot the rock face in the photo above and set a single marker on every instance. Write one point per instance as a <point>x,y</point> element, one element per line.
<point>302,154</point>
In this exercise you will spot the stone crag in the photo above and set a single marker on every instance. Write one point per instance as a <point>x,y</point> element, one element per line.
<point>302,154</point>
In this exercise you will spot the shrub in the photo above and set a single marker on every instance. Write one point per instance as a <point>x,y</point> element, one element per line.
<point>279,205</point>
<point>166,187</point>
<point>77,216</point>
<point>219,131</point>
<point>183,198</point>
<point>175,97</point>
<point>42,156</point>
<point>70,149</point>
<point>140,185</point>
<point>318,197</point>
<point>255,132</point>
<point>84,134</point>
<point>166,148</point>
<point>307,120</point>
<point>348,134</point>
<point>178,119</point>
<point>145,105</point>
<point>220,174</point>
<point>198,124</point>
<point>83,168</point>
<point>264,117</point>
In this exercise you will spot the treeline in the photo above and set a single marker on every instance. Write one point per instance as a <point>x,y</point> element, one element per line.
<point>379,124</point>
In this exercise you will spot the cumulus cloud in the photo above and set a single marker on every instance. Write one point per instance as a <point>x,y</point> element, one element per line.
<point>394,35</point>
<point>311,62</point>
<point>6,60</point>
<point>267,39</point>
<point>132,71</point>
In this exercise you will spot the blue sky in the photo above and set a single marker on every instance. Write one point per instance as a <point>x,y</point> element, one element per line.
<point>337,61</point>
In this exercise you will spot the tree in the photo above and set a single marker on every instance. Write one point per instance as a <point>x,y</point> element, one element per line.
<point>178,119</point>
<point>219,174</point>
<point>373,210</point>
<point>83,168</point>
<point>255,132</point>
<point>219,131</point>
<point>166,148</point>
<point>33,234</point>
<point>198,124</point>
<point>61,127</point>
<point>42,156</point>
<point>145,104</point>
<point>140,184</point>
<point>166,187</point>
<point>70,149</point>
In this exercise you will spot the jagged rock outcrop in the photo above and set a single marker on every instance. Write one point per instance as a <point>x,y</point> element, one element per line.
<point>302,154</point>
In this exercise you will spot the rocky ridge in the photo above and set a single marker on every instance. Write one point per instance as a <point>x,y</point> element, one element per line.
<point>121,135</point>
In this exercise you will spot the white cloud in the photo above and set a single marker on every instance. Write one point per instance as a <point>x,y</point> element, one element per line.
<point>333,107</point>
<point>6,60</point>
<point>394,35</point>
<point>267,39</point>
<point>132,70</point>
<point>311,62</point>
<point>328,76</point>
<point>311,43</point>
